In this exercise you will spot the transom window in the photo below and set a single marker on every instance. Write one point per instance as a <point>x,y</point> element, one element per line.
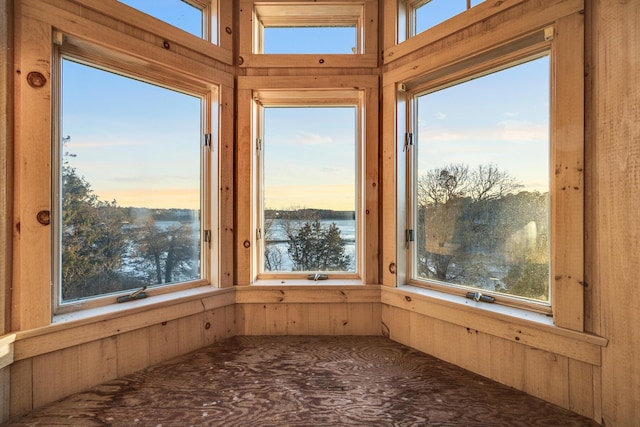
<point>193,16</point>
<point>130,181</point>
<point>479,204</point>
<point>424,14</point>
<point>308,29</point>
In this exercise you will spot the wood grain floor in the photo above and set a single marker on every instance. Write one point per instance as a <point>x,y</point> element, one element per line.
<point>302,381</point>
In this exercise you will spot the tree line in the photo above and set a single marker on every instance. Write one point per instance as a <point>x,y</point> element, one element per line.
<point>107,248</point>
<point>474,227</point>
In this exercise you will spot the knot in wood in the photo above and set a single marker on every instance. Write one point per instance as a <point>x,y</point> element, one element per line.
<point>36,80</point>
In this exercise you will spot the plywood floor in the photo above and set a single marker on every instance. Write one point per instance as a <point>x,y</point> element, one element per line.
<point>303,381</point>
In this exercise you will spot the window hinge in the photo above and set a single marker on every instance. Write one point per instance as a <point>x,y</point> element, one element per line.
<point>207,140</point>
<point>259,233</point>
<point>408,236</point>
<point>259,145</point>
<point>408,141</point>
<point>206,236</point>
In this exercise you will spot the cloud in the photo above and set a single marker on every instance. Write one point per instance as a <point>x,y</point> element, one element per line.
<point>309,138</point>
<point>440,115</point>
<point>504,131</point>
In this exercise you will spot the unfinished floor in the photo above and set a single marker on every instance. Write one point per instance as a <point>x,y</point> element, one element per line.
<point>303,381</point>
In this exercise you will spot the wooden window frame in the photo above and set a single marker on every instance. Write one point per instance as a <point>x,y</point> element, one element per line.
<point>71,48</point>
<point>253,92</point>
<point>254,14</point>
<point>558,29</point>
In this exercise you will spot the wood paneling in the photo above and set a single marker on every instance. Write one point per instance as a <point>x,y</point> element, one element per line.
<point>615,137</point>
<point>31,298</point>
<point>21,389</point>
<point>6,162</point>
<point>550,376</point>
<point>308,318</point>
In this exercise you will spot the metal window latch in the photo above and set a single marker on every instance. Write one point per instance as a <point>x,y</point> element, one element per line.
<point>139,294</point>
<point>317,276</point>
<point>477,297</point>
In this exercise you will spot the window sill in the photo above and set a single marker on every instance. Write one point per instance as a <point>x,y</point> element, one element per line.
<point>513,324</point>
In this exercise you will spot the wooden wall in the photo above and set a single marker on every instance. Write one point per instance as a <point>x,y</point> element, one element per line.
<point>613,203</point>
<point>596,377</point>
<point>51,363</point>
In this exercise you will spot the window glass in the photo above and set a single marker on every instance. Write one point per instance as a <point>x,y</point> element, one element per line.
<point>309,189</point>
<point>129,184</point>
<point>481,184</point>
<point>295,40</point>
<point>433,12</point>
<point>178,13</point>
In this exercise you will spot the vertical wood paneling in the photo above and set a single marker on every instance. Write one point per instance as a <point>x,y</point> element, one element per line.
<point>221,324</point>
<point>567,163</point>
<point>21,391</point>
<point>581,381</point>
<point>615,104</point>
<point>298,321</point>
<point>163,342</point>
<point>372,189</point>
<point>506,362</point>
<point>546,376</point>
<point>244,155</point>
<point>61,373</point>
<point>132,351</point>
<point>190,333</point>
<point>226,186</point>
<point>6,168</point>
<point>32,154</point>
<point>388,187</point>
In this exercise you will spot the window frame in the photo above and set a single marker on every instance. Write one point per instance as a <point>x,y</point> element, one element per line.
<point>255,13</point>
<point>77,50</point>
<point>326,90</point>
<point>329,98</point>
<point>474,72</point>
<point>563,37</point>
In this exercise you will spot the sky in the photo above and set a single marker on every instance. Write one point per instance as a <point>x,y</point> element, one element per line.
<point>139,144</point>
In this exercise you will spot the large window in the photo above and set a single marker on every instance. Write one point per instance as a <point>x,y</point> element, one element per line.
<point>309,189</point>
<point>480,184</point>
<point>130,181</point>
<point>309,196</point>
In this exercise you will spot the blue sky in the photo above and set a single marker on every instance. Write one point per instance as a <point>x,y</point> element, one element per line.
<point>140,144</point>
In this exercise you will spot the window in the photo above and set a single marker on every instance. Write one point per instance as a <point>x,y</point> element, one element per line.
<point>480,185</point>
<point>308,29</point>
<point>192,16</point>
<point>309,188</point>
<point>426,14</point>
<point>130,182</point>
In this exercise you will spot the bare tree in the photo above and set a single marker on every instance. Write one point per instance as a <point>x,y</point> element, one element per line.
<point>487,182</point>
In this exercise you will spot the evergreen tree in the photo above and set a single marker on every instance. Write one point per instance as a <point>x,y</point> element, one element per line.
<point>316,248</point>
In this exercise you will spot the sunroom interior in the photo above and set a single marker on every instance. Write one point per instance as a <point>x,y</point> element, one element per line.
<point>473,175</point>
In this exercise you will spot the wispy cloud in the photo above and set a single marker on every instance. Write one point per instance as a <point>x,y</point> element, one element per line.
<point>309,138</point>
<point>441,115</point>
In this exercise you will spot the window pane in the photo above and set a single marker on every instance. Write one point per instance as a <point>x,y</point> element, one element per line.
<point>175,12</point>
<point>293,40</point>
<point>129,184</point>
<point>309,189</point>
<point>433,12</point>
<point>482,183</point>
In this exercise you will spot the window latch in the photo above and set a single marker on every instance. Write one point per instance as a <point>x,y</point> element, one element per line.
<point>139,294</point>
<point>477,297</point>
